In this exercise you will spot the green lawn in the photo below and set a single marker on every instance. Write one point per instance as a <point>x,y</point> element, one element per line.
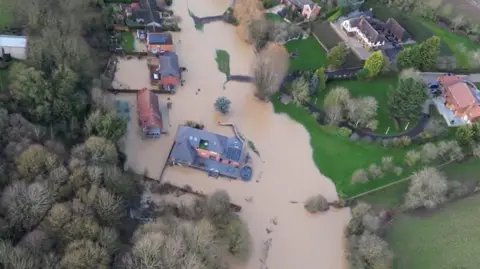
<point>338,157</point>
<point>444,239</point>
<point>128,42</point>
<point>310,55</point>
<point>453,40</point>
<point>3,79</point>
<point>377,88</point>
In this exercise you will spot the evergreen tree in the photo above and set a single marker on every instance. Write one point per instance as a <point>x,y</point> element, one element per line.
<point>429,51</point>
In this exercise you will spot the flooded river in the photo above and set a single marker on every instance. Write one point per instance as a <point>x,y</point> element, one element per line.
<point>285,172</point>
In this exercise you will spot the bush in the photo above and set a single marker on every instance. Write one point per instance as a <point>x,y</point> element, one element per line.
<point>222,105</point>
<point>375,171</point>
<point>194,124</point>
<point>316,203</point>
<point>362,74</point>
<point>238,239</point>
<point>464,134</point>
<point>219,209</point>
<point>336,15</point>
<point>359,176</point>
<point>344,131</point>
<point>387,163</point>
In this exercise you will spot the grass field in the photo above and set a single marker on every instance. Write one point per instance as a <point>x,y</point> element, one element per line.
<point>3,79</point>
<point>446,238</point>
<point>338,157</point>
<point>310,54</point>
<point>378,89</point>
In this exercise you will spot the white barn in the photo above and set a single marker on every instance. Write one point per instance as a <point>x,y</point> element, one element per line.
<point>15,45</point>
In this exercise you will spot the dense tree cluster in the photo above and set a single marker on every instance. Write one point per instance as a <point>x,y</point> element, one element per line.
<point>422,56</point>
<point>270,68</point>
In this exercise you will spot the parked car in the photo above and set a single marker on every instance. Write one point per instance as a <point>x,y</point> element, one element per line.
<point>141,35</point>
<point>433,85</point>
<point>435,91</point>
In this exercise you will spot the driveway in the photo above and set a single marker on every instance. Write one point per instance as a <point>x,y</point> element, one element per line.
<point>447,114</point>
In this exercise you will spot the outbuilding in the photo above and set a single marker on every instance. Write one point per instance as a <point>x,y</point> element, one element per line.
<point>15,45</point>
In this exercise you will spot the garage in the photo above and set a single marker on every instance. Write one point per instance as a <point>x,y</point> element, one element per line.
<point>15,45</point>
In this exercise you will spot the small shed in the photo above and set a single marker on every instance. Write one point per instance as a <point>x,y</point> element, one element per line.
<point>15,45</point>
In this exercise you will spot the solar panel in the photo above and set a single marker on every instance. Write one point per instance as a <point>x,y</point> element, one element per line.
<point>233,153</point>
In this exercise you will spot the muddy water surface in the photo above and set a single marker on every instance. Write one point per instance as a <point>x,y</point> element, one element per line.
<point>284,173</point>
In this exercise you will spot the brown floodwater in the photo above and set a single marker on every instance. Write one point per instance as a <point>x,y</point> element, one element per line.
<point>284,173</point>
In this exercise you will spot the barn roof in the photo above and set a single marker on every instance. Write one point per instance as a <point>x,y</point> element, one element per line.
<point>13,41</point>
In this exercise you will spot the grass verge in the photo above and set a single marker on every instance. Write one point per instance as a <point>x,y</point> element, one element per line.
<point>273,17</point>
<point>443,239</point>
<point>223,62</point>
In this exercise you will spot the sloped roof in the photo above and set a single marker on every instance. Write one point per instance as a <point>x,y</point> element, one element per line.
<point>160,38</point>
<point>367,29</point>
<point>148,11</point>
<point>448,80</point>
<point>396,29</point>
<point>461,95</point>
<point>301,3</point>
<point>148,109</point>
<point>13,41</point>
<point>169,66</point>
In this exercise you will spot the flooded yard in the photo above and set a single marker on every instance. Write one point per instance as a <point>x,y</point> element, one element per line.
<point>284,173</point>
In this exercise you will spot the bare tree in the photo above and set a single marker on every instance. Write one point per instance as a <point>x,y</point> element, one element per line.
<point>334,114</point>
<point>375,171</point>
<point>458,21</point>
<point>361,110</point>
<point>316,203</point>
<point>32,162</point>
<point>300,91</point>
<point>26,205</point>
<point>246,11</point>
<point>109,208</point>
<point>219,209</point>
<point>374,249</point>
<point>58,216</point>
<point>270,68</point>
<point>84,254</point>
<point>429,153</point>
<point>337,96</point>
<point>100,150</point>
<point>428,188</point>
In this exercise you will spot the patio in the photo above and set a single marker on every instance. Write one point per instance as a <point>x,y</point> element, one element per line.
<point>450,118</point>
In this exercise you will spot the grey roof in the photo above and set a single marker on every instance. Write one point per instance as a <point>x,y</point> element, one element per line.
<point>188,139</point>
<point>367,29</point>
<point>396,29</point>
<point>169,66</point>
<point>13,41</point>
<point>148,12</point>
<point>301,3</point>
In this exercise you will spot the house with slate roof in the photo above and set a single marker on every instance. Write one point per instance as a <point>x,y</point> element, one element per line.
<point>361,28</point>
<point>394,31</point>
<point>217,154</point>
<point>167,74</point>
<point>159,42</point>
<point>143,13</point>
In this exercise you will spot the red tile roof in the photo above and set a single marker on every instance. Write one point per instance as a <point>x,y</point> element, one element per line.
<point>148,109</point>
<point>461,95</point>
<point>448,80</point>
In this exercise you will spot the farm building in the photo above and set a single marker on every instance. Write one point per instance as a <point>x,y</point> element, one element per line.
<point>15,45</point>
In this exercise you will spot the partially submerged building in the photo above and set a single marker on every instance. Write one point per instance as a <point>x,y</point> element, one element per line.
<point>159,42</point>
<point>144,13</point>
<point>216,154</point>
<point>168,74</point>
<point>150,117</point>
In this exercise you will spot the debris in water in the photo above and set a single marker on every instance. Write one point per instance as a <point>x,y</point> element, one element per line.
<point>274,221</point>
<point>268,230</point>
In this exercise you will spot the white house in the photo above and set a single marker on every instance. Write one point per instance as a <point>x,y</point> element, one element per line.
<point>364,31</point>
<point>15,45</point>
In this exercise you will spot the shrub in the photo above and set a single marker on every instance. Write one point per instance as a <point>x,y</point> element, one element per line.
<point>194,124</point>
<point>397,170</point>
<point>360,209</point>
<point>464,134</point>
<point>359,176</point>
<point>412,157</point>
<point>387,163</point>
<point>32,162</point>
<point>316,203</point>
<point>354,137</point>
<point>339,203</point>
<point>387,143</point>
<point>222,105</point>
<point>374,249</point>
<point>367,139</point>
<point>375,171</point>
<point>405,141</point>
<point>344,131</point>
<point>238,239</point>
<point>362,74</point>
